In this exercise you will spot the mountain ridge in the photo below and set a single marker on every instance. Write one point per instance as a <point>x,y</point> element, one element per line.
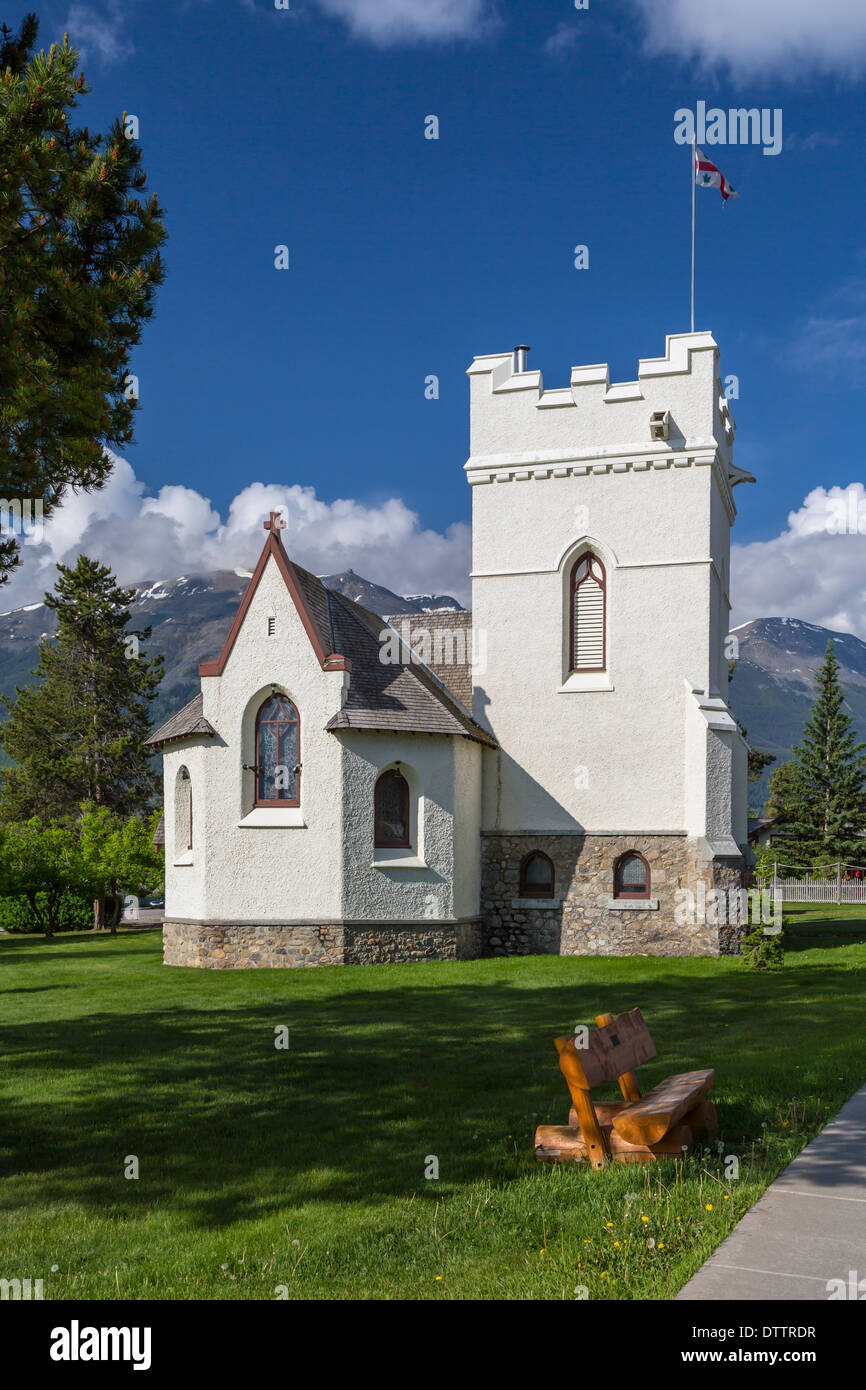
<point>771,692</point>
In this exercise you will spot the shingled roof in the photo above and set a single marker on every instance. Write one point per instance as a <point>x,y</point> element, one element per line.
<point>403,697</point>
<point>185,724</point>
<point>445,641</point>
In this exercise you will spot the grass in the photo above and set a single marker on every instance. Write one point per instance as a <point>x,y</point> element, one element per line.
<point>302,1170</point>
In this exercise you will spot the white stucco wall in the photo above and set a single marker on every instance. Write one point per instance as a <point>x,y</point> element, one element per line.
<point>291,867</point>
<point>442,772</point>
<point>554,473</point>
<point>184,873</point>
<point>467,841</point>
<point>316,862</point>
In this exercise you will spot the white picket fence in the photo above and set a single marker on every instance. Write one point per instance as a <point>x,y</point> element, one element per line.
<point>820,890</point>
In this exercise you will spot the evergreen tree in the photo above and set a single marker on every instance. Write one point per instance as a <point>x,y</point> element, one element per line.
<point>79,266</point>
<point>821,794</point>
<point>783,789</point>
<point>77,735</point>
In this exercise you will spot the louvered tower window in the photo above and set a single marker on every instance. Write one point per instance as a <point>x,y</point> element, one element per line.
<point>588,615</point>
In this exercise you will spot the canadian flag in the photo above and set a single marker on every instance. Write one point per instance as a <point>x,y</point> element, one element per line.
<point>707,175</point>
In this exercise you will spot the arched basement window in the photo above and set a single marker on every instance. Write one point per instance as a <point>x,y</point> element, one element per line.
<point>537,879</point>
<point>588,615</point>
<point>631,876</point>
<point>278,769</point>
<point>392,810</point>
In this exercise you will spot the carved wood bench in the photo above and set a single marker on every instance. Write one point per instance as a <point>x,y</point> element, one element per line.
<point>637,1129</point>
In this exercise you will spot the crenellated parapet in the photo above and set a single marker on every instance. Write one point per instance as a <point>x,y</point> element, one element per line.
<point>674,414</point>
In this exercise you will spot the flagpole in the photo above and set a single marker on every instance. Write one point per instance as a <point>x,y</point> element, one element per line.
<point>694,184</point>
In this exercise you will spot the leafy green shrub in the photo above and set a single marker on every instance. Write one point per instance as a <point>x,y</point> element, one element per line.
<point>763,952</point>
<point>74,913</point>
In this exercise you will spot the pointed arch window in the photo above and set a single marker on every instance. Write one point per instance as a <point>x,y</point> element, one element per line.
<point>392,811</point>
<point>631,876</point>
<point>182,813</point>
<point>588,615</point>
<point>278,744</point>
<point>537,877</point>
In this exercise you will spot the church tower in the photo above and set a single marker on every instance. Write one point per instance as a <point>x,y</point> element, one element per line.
<point>601,561</point>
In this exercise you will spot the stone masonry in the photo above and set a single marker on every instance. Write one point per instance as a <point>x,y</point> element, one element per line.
<point>244,946</point>
<point>579,920</point>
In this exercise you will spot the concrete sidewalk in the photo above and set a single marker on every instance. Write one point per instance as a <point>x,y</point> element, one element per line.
<point>807,1229</point>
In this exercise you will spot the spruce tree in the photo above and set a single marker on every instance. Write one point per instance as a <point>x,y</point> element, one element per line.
<point>77,734</point>
<point>822,794</point>
<point>79,266</point>
<point>783,789</point>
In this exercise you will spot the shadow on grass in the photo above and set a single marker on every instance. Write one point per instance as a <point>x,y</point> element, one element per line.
<point>456,1061</point>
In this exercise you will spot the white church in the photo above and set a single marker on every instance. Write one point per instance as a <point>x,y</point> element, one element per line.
<point>348,789</point>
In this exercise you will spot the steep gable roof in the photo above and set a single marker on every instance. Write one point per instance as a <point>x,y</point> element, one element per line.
<point>312,610</point>
<point>392,697</point>
<point>405,697</point>
<point>448,635</point>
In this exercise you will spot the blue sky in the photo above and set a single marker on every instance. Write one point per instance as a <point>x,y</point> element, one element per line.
<point>409,256</point>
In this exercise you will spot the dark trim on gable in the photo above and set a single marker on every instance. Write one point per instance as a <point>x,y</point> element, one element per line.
<point>329,661</point>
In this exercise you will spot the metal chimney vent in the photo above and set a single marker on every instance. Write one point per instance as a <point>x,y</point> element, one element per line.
<point>520,358</point>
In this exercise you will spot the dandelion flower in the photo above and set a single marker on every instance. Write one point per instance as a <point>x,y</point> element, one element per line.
<point>708,1206</point>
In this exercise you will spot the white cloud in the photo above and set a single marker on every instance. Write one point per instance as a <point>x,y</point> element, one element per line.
<point>815,140</point>
<point>99,34</point>
<point>562,41</point>
<point>785,37</point>
<point>813,570</point>
<point>834,333</point>
<point>179,532</point>
<point>386,22</point>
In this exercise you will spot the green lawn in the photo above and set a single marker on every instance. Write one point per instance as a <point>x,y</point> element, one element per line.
<point>304,1168</point>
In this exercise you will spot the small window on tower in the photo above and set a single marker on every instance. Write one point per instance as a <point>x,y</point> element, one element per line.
<point>272,627</point>
<point>588,615</point>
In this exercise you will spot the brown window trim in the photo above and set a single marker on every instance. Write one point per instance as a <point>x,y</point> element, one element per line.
<point>406,808</point>
<point>618,891</point>
<point>588,555</point>
<point>287,803</point>
<point>527,890</point>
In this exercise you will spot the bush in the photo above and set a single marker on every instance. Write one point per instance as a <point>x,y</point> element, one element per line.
<point>763,952</point>
<point>74,913</point>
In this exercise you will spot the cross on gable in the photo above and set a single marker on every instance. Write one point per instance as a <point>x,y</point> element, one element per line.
<point>275,524</point>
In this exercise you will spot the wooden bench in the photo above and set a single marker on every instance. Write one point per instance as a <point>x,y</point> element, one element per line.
<point>637,1129</point>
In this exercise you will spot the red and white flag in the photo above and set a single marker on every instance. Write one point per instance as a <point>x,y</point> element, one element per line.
<point>708,175</point>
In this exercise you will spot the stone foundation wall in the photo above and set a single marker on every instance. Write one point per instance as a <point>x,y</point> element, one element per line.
<point>245,946</point>
<point>579,919</point>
